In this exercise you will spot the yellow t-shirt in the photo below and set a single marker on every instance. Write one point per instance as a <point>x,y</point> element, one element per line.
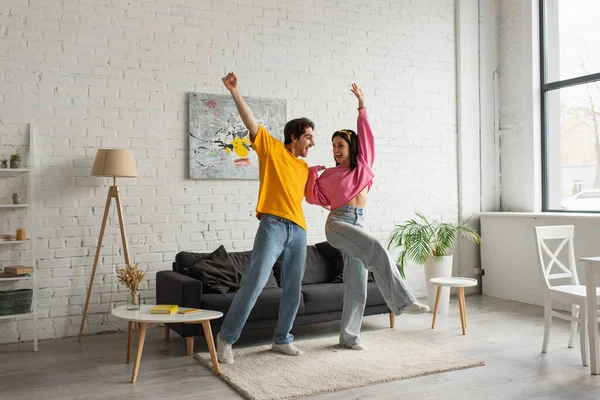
<point>282,179</point>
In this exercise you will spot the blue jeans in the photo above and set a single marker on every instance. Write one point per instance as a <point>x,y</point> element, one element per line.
<point>362,253</point>
<point>275,237</point>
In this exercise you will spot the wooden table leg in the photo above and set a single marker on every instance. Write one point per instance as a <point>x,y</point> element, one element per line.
<point>462,293</point>
<point>211,346</point>
<point>392,319</point>
<point>129,329</point>
<point>437,303</point>
<point>142,330</point>
<point>592,318</point>
<point>190,345</point>
<point>461,309</point>
<point>167,331</point>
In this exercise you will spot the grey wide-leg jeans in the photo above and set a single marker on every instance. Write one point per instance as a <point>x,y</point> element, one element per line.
<point>362,253</point>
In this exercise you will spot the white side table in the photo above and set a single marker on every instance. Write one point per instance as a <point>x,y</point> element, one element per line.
<point>592,267</point>
<point>143,318</point>
<point>460,284</point>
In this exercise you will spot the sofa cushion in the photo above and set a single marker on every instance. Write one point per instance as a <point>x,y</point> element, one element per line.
<point>326,297</point>
<point>318,268</point>
<point>240,260</point>
<point>216,272</point>
<point>266,307</point>
<point>335,258</point>
<point>185,259</point>
<point>374,296</point>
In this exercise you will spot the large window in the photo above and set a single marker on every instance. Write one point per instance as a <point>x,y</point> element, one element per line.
<point>570,33</point>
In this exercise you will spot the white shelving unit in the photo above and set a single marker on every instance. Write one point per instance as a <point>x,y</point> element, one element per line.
<point>17,278</point>
<point>14,245</point>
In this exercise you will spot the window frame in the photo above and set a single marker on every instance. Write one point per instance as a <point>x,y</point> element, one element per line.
<point>545,88</point>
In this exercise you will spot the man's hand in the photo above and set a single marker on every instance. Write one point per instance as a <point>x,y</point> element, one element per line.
<point>359,95</point>
<point>230,81</point>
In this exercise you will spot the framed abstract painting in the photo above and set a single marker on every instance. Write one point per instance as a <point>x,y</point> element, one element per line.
<point>220,146</point>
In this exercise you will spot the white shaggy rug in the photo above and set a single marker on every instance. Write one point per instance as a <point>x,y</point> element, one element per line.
<point>260,374</point>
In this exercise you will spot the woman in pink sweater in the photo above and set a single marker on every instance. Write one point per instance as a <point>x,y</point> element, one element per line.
<point>344,189</point>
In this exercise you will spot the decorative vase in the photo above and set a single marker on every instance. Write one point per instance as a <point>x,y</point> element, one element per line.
<point>441,269</point>
<point>3,166</point>
<point>21,234</point>
<point>16,198</point>
<point>133,301</point>
<point>15,164</point>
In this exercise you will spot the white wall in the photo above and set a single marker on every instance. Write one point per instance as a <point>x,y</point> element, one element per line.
<point>509,251</point>
<point>519,77</point>
<point>96,73</point>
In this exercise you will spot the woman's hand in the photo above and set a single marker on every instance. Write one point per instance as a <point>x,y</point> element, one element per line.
<point>359,95</point>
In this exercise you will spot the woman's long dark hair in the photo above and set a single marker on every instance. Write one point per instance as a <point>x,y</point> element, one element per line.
<point>350,137</point>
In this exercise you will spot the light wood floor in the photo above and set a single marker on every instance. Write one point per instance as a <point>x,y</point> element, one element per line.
<point>506,335</point>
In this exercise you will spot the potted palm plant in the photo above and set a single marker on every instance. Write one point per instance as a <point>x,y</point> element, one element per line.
<point>430,243</point>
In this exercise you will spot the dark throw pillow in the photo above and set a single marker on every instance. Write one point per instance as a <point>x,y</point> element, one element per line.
<point>216,272</point>
<point>318,268</point>
<point>334,256</point>
<point>241,261</point>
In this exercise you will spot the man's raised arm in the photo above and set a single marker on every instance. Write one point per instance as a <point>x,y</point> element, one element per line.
<point>231,83</point>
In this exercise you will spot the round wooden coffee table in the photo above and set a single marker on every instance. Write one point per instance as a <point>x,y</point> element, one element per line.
<point>142,318</point>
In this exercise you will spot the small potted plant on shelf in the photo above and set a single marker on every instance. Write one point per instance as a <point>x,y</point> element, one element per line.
<point>131,276</point>
<point>3,163</point>
<point>430,243</point>
<point>15,160</point>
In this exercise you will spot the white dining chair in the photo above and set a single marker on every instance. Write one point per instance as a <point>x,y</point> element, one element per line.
<point>570,293</point>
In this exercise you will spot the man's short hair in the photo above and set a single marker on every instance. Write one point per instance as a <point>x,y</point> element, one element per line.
<point>295,128</point>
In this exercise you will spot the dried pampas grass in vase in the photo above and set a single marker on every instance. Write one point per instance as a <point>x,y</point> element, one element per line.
<point>131,276</point>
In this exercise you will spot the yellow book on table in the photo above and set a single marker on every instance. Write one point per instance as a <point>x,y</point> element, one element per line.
<point>185,311</point>
<point>164,309</point>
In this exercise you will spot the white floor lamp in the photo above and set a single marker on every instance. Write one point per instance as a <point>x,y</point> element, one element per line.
<point>113,163</point>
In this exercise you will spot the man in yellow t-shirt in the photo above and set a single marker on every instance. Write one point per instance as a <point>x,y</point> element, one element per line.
<point>282,230</point>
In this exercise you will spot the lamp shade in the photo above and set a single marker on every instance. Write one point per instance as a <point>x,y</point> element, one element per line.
<point>115,163</point>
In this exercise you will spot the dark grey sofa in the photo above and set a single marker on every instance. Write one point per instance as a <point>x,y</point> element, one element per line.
<point>322,292</point>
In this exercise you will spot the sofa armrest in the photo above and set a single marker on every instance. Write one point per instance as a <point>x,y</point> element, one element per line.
<point>175,288</point>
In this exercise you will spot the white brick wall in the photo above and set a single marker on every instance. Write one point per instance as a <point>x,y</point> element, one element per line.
<point>95,73</point>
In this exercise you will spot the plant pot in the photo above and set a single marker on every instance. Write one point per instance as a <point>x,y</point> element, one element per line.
<point>441,269</point>
<point>3,166</point>
<point>15,164</point>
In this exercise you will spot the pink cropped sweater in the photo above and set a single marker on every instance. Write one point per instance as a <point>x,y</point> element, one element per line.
<point>338,185</point>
